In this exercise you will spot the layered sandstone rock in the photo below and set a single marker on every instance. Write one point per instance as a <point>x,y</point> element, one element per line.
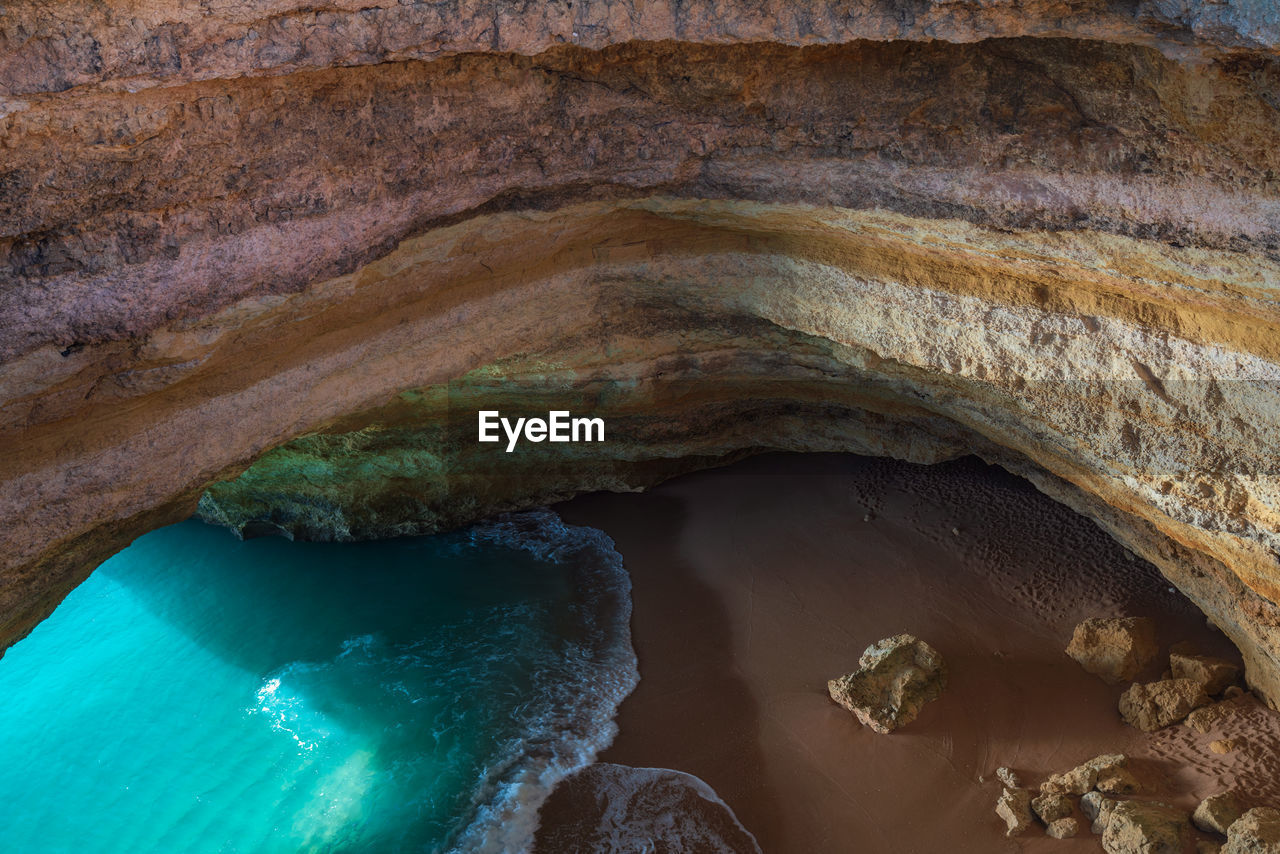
<point>1047,234</point>
<point>54,46</point>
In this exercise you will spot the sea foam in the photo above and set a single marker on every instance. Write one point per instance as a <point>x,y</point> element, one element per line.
<point>579,722</point>
<point>200,693</point>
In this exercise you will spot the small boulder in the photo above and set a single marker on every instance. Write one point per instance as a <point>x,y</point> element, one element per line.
<point>1215,674</point>
<point>895,678</point>
<point>1145,828</point>
<point>1217,812</point>
<point>1051,806</point>
<point>1224,745</point>
<point>1098,808</point>
<point>1084,777</point>
<point>1156,705</point>
<point>1256,832</point>
<point>1007,777</point>
<point>1014,806</point>
<point>1115,649</point>
<point>1063,828</point>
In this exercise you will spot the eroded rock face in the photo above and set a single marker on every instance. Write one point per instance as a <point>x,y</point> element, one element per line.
<point>894,680</point>
<point>1216,813</point>
<point>1256,832</point>
<point>1049,239</point>
<point>80,42</point>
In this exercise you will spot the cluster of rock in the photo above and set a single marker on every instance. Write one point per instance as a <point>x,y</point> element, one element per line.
<point>1117,650</point>
<point>895,678</point>
<point>1096,792</point>
<point>1100,791</point>
<point>1054,806</point>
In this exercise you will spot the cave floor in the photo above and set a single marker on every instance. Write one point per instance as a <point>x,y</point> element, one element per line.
<point>756,583</point>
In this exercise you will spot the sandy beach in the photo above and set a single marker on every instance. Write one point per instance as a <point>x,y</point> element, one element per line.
<point>755,584</point>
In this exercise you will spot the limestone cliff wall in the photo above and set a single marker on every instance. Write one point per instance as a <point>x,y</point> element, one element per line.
<point>1047,233</point>
<point>52,46</point>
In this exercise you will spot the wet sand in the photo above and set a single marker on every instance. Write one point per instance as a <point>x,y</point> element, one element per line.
<point>755,584</point>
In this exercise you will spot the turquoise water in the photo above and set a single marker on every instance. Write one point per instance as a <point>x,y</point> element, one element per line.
<point>202,694</point>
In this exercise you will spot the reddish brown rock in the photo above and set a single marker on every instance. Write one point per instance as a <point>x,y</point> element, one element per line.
<point>80,41</point>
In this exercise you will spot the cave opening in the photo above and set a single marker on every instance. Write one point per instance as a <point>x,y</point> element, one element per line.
<point>264,264</point>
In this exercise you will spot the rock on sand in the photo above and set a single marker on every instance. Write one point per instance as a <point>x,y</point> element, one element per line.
<point>894,679</point>
<point>1116,648</point>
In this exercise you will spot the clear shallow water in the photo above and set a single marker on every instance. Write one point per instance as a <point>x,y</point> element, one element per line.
<point>201,694</point>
